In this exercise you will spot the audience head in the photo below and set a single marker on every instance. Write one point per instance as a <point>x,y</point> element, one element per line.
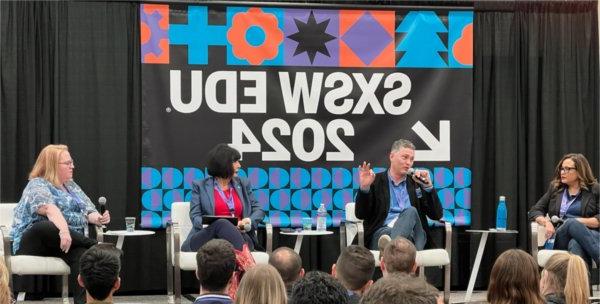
<point>48,164</point>
<point>354,268</point>
<point>221,159</point>
<point>5,293</point>
<point>566,274</point>
<point>318,287</point>
<point>401,288</point>
<point>216,264</point>
<point>582,172</point>
<point>99,269</point>
<point>289,265</point>
<point>514,279</point>
<point>399,256</point>
<point>261,284</point>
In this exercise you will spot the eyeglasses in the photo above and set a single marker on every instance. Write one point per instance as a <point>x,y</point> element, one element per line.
<point>68,163</point>
<point>567,169</point>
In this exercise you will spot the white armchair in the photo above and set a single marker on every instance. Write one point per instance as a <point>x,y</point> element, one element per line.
<point>177,231</point>
<point>425,258</point>
<point>29,264</point>
<point>538,239</point>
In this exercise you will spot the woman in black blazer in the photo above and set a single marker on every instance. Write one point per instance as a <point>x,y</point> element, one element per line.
<point>573,197</point>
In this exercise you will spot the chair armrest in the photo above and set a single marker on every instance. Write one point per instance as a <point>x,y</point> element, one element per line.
<point>534,240</point>
<point>99,233</point>
<point>269,229</point>
<point>361,233</point>
<point>448,237</point>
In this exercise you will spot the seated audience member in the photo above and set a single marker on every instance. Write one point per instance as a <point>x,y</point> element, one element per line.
<point>216,264</point>
<point>289,265</point>
<point>261,284</point>
<point>399,256</point>
<point>317,287</point>
<point>99,269</point>
<point>514,279</point>
<point>402,288</point>
<point>354,269</point>
<point>5,293</point>
<point>565,280</point>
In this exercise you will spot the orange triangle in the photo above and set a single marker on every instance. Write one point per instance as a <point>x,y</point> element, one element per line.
<point>348,18</point>
<point>348,58</point>
<point>386,58</point>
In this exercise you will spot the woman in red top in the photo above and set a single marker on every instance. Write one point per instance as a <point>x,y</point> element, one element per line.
<point>223,193</point>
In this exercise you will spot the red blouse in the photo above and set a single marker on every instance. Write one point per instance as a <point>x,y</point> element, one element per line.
<point>221,208</point>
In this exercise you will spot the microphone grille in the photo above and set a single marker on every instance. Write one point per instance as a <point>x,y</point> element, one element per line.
<point>410,171</point>
<point>102,200</point>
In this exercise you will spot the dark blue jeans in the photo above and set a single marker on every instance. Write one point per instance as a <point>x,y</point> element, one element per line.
<point>219,229</point>
<point>408,225</point>
<point>580,240</point>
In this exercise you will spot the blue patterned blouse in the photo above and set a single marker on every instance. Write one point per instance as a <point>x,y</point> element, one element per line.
<point>74,204</point>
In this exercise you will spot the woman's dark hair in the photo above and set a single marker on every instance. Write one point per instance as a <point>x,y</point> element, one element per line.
<point>221,159</point>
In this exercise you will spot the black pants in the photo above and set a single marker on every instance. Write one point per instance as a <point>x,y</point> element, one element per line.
<point>219,229</point>
<point>42,239</point>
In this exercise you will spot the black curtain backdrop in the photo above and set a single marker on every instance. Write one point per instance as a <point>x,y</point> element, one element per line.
<point>70,73</point>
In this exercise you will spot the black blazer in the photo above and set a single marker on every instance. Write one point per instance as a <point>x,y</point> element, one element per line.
<point>551,200</point>
<point>373,207</point>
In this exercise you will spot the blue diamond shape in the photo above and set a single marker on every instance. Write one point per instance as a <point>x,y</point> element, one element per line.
<point>367,38</point>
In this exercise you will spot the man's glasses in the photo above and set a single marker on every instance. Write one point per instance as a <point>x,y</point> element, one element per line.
<point>566,169</point>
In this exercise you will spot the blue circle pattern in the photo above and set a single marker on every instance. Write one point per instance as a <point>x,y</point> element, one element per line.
<point>289,195</point>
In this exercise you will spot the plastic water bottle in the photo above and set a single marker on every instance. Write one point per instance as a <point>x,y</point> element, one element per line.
<point>321,218</point>
<point>501,214</point>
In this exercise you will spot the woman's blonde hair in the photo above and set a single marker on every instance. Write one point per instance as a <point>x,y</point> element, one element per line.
<point>567,274</point>
<point>582,167</point>
<point>261,284</point>
<point>5,293</point>
<point>46,165</point>
<point>514,279</point>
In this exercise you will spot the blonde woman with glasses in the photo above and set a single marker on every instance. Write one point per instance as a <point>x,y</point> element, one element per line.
<point>261,284</point>
<point>53,212</point>
<point>572,198</point>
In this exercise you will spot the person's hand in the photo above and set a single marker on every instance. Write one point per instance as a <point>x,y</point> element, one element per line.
<point>242,223</point>
<point>549,229</point>
<point>366,176</point>
<point>422,177</point>
<point>104,218</point>
<point>65,240</point>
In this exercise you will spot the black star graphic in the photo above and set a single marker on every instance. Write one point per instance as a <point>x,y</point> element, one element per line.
<point>311,37</point>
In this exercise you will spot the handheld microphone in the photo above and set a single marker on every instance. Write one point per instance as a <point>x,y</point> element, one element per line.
<point>247,227</point>
<point>556,220</point>
<point>102,203</point>
<point>411,173</point>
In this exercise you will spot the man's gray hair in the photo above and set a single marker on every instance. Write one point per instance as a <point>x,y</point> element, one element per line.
<point>402,143</point>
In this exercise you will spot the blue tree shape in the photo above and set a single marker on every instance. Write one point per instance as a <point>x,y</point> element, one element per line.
<point>421,43</point>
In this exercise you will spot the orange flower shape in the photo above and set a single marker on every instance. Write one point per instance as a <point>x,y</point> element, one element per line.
<point>237,36</point>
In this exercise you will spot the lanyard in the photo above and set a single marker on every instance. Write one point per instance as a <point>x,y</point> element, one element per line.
<point>228,201</point>
<point>566,203</point>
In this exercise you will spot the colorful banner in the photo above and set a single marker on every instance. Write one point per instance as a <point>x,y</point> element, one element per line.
<point>305,95</point>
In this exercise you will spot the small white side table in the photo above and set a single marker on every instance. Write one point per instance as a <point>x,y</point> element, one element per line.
<point>121,234</point>
<point>300,235</point>
<point>482,242</point>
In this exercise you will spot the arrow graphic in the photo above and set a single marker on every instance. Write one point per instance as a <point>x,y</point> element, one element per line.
<point>440,149</point>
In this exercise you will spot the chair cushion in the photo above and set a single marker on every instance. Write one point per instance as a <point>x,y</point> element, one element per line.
<point>376,256</point>
<point>30,264</point>
<point>545,254</point>
<point>432,257</point>
<point>260,257</point>
<point>187,261</point>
